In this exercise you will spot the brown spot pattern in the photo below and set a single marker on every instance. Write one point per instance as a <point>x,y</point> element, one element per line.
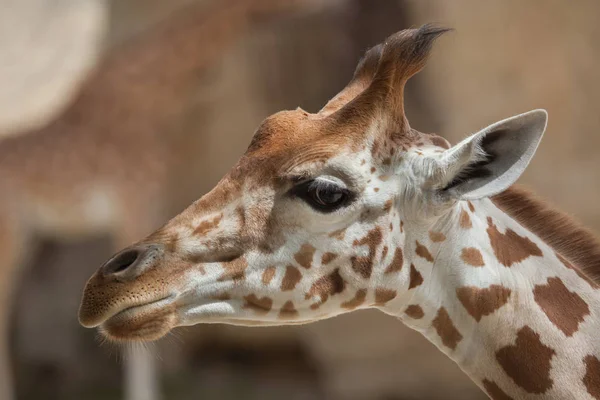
<point>364,265</point>
<point>383,295</point>
<point>591,380</point>
<point>396,263</point>
<point>357,300</point>
<point>464,220</point>
<point>414,311</point>
<point>472,256</point>
<point>268,274</point>
<point>291,278</point>
<point>288,311</point>
<point>481,302</point>
<point>339,234</point>
<point>328,257</point>
<point>564,308</point>
<point>259,305</point>
<point>527,362</point>
<point>234,270</point>
<point>445,329</point>
<point>436,236</point>
<point>423,252</point>
<point>384,252</point>
<point>509,247</point>
<point>305,255</point>
<point>326,286</point>
<point>208,225</point>
<point>387,206</point>
<point>471,206</point>
<point>415,277</point>
<point>494,391</point>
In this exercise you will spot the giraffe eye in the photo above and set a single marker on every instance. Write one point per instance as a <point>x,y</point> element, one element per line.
<point>323,195</point>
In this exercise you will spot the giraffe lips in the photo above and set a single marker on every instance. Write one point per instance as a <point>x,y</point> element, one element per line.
<point>142,322</point>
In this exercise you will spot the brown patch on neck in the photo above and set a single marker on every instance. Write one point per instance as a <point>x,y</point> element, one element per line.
<point>481,302</point>
<point>464,220</point>
<point>494,391</point>
<point>414,311</point>
<point>359,299</point>
<point>472,256</point>
<point>527,362</point>
<point>326,286</point>
<point>575,243</point>
<point>364,265</point>
<point>415,277</point>
<point>591,380</point>
<point>510,247</point>
<point>423,252</point>
<point>471,206</point>
<point>446,330</point>
<point>436,236</point>
<point>397,262</point>
<point>564,308</point>
<point>291,278</point>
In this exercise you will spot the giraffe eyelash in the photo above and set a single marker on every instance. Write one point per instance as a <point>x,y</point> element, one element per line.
<point>323,195</point>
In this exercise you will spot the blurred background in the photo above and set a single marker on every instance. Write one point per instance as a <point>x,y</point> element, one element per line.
<point>140,106</point>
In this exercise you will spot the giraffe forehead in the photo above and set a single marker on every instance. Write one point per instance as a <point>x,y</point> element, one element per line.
<point>289,139</point>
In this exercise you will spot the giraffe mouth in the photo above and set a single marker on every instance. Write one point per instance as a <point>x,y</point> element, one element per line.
<point>141,322</point>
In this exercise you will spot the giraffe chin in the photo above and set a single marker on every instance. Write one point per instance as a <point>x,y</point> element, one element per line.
<point>143,323</point>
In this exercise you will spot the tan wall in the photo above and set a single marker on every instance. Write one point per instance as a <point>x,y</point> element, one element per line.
<point>508,57</point>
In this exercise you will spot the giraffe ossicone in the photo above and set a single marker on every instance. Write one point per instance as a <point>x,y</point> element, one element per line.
<point>351,208</point>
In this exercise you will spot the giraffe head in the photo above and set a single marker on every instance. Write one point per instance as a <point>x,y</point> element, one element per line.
<point>313,220</point>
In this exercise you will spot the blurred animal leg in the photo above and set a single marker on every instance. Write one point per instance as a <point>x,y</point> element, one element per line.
<point>141,374</point>
<point>12,240</point>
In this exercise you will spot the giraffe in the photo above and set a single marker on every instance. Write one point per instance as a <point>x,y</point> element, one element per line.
<point>351,208</point>
<point>91,170</point>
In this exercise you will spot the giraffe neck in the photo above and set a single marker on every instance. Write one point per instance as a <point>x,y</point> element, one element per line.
<point>509,310</point>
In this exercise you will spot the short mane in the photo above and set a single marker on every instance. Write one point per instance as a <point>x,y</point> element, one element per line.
<point>568,238</point>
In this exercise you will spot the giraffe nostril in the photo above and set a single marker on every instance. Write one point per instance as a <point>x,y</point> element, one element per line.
<point>121,261</point>
<point>132,262</point>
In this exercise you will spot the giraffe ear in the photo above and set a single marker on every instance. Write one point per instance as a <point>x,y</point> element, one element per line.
<point>491,160</point>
